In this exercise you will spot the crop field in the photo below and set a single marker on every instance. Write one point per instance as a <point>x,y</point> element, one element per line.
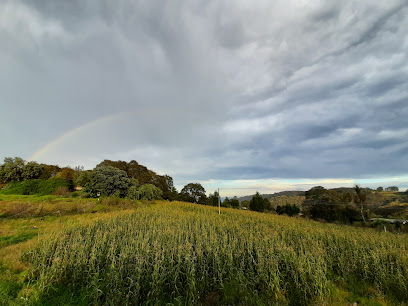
<point>186,254</point>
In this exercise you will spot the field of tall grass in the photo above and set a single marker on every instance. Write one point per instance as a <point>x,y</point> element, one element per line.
<point>186,254</point>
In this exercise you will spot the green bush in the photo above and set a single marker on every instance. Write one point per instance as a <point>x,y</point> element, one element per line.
<point>288,209</point>
<point>144,192</point>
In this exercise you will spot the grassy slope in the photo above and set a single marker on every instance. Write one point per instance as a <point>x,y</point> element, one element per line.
<point>245,256</point>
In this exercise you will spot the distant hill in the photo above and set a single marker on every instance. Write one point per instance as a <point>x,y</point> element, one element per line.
<point>276,194</point>
<point>293,193</point>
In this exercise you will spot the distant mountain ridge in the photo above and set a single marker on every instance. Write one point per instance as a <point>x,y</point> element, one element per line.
<point>290,193</point>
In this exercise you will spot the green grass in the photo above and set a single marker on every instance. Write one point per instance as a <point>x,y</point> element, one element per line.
<point>35,187</point>
<point>8,240</point>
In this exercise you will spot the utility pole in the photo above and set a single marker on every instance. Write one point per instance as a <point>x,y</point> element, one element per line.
<point>219,203</point>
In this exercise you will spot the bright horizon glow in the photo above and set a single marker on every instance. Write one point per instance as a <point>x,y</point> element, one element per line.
<point>230,188</point>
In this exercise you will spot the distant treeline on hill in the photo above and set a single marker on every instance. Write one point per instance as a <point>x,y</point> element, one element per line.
<point>277,194</point>
<point>295,193</point>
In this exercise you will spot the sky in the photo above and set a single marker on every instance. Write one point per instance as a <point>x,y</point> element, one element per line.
<point>243,96</point>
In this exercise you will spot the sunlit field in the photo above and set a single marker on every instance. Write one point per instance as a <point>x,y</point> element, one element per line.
<point>187,254</point>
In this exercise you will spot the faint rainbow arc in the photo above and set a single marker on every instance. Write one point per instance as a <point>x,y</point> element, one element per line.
<point>74,131</point>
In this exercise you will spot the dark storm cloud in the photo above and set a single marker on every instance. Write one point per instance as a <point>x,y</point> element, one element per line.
<point>212,89</point>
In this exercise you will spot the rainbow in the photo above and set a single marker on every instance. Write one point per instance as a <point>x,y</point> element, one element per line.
<point>75,131</point>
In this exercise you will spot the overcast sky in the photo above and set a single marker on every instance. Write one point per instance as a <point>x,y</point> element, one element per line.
<point>241,95</point>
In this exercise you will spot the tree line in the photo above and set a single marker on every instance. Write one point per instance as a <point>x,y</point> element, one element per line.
<point>109,178</point>
<point>135,181</point>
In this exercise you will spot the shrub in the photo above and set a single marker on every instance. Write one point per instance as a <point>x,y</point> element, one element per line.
<point>61,191</point>
<point>144,192</point>
<point>288,209</point>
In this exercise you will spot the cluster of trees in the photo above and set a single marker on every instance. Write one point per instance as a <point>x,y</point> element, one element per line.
<point>195,193</point>
<point>290,210</point>
<point>391,188</point>
<point>109,178</point>
<point>135,181</point>
<point>286,200</point>
<point>123,179</point>
<point>234,202</point>
<point>330,205</point>
<point>17,170</point>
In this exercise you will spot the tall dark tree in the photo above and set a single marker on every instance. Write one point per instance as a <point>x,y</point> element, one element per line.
<point>226,202</point>
<point>194,193</point>
<point>234,202</point>
<point>257,203</point>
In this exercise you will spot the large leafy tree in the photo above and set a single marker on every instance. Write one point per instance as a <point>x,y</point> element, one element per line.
<point>12,169</point>
<point>16,169</point>
<point>32,170</point>
<point>144,192</point>
<point>194,193</point>
<point>108,180</point>
<point>258,203</point>
<point>68,174</point>
<point>83,178</point>
<point>49,171</point>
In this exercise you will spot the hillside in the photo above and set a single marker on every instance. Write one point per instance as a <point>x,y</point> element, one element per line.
<point>136,253</point>
<point>383,203</point>
<point>276,194</point>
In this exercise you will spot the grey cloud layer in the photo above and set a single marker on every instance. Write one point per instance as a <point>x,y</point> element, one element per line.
<point>214,89</point>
